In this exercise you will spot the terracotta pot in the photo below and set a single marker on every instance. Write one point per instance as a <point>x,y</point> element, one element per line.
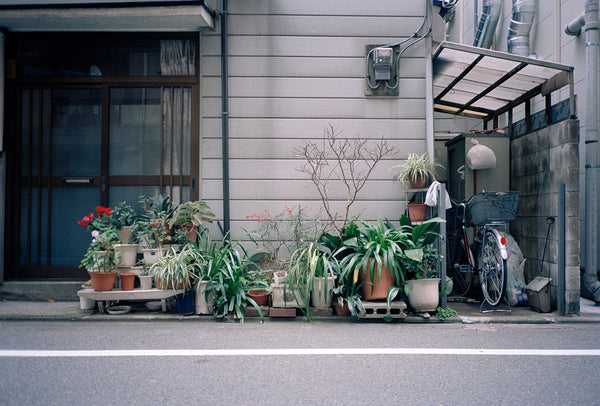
<point>341,311</point>
<point>377,289</point>
<point>191,232</point>
<point>127,280</point>
<point>417,212</point>
<point>103,281</point>
<point>261,297</point>
<point>420,182</point>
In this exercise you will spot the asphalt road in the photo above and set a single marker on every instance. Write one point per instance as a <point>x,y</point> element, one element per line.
<point>289,363</point>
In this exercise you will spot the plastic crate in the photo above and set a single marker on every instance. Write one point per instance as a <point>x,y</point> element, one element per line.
<point>493,207</point>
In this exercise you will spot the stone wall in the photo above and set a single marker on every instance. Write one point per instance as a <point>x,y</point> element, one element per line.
<point>540,162</point>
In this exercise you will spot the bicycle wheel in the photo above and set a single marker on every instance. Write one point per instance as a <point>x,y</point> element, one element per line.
<point>458,266</point>
<point>492,268</point>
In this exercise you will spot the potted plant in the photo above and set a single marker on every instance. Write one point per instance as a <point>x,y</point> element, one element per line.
<point>189,216</point>
<point>100,260</point>
<point>146,277</point>
<point>374,258</point>
<point>124,218</point>
<point>311,278</point>
<point>419,260</point>
<point>174,270</point>
<point>229,283</point>
<point>416,170</point>
<point>347,294</point>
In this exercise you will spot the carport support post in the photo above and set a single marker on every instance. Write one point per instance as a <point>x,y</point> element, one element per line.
<point>561,289</point>
<point>441,208</point>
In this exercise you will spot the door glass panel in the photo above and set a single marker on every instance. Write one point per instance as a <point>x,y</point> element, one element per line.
<point>69,240</point>
<point>134,131</point>
<point>76,132</point>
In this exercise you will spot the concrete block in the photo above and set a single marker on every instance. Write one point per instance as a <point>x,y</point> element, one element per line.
<point>572,254</point>
<point>573,278</point>
<point>321,312</point>
<point>379,310</point>
<point>543,139</point>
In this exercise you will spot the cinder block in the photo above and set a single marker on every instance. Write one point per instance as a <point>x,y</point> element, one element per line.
<point>379,310</point>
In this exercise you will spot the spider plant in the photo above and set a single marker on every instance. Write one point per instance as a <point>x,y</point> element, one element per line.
<point>307,264</point>
<point>229,280</point>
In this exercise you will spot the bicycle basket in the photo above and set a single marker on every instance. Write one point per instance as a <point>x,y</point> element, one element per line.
<point>492,207</point>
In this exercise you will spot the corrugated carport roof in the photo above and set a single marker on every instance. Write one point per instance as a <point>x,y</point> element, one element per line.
<point>484,83</point>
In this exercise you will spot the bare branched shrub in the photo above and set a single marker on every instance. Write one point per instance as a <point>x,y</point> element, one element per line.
<point>347,161</point>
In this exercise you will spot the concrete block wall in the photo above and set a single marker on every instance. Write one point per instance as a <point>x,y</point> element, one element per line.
<point>540,162</point>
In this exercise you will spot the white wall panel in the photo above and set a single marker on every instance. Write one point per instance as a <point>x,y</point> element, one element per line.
<point>294,67</point>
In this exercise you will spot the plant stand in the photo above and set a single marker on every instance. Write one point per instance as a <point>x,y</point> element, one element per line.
<point>104,298</point>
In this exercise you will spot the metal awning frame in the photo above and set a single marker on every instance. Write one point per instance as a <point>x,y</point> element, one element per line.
<point>563,77</point>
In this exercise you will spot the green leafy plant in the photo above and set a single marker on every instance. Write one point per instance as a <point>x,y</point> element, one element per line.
<point>307,264</point>
<point>123,215</point>
<point>192,213</point>
<point>379,245</point>
<point>443,313</point>
<point>346,290</point>
<point>101,255</point>
<point>229,281</point>
<point>176,270</point>
<point>415,167</point>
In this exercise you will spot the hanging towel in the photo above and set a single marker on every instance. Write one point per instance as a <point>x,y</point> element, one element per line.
<point>432,195</point>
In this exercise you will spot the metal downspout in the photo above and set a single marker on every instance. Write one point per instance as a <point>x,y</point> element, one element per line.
<point>2,156</point>
<point>523,13</point>
<point>592,149</point>
<point>488,21</point>
<point>225,119</point>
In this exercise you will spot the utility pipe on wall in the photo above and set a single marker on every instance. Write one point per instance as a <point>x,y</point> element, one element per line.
<point>490,13</point>
<point>225,119</point>
<point>523,13</point>
<point>591,26</point>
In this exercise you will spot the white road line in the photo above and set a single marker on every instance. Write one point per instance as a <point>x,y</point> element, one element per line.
<point>298,351</point>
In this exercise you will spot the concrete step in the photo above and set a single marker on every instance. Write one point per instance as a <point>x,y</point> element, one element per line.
<point>59,291</point>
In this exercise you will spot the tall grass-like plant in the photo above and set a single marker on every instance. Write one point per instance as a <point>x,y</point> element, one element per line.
<point>229,280</point>
<point>305,265</point>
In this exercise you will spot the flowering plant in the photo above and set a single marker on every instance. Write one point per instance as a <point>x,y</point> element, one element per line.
<point>282,234</point>
<point>101,222</point>
<point>101,255</point>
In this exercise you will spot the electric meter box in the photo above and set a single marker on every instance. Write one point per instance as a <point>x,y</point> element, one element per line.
<point>382,63</point>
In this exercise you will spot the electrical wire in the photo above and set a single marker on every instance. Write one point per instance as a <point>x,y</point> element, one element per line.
<point>426,19</point>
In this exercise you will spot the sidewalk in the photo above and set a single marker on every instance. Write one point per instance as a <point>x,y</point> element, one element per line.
<point>14,310</point>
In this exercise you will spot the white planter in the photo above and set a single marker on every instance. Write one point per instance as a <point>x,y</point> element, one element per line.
<point>282,296</point>
<point>151,255</point>
<point>86,303</point>
<point>424,296</point>
<point>204,306</point>
<point>146,281</point>
<point>127,254</point>
<point>318,298</point>
<point>279,277</point>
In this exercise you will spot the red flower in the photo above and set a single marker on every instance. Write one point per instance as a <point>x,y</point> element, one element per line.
<point>108,211</point>
<point>100,210</point>
<point>82,223</point>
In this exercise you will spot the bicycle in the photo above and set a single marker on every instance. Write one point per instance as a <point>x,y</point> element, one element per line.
<point>487,211</point>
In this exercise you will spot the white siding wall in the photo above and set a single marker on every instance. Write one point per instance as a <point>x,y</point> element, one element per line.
<point>294,67</point>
